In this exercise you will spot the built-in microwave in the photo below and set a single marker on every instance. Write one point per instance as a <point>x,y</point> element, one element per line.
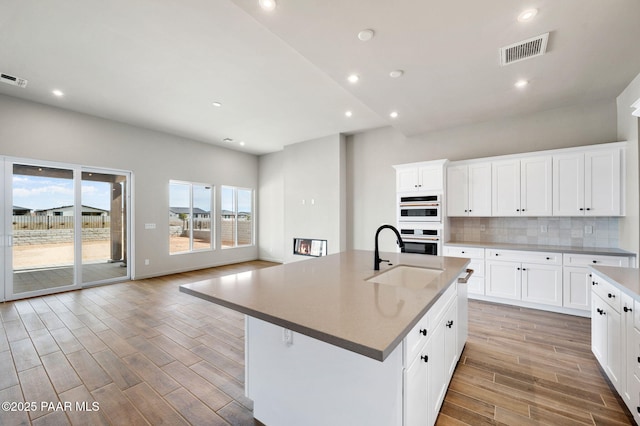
<point>421,240</point>
<point>419,208</point>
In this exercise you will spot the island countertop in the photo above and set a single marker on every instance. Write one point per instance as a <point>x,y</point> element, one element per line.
<point>329,299</point>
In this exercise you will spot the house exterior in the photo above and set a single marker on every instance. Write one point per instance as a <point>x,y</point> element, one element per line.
<point>68,211</point>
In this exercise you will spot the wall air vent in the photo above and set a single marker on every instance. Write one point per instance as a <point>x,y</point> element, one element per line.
<point>525,49</point>
<point>15,81</point>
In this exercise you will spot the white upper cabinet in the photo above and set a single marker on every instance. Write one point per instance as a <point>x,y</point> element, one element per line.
<point>427,176</point>
<point>535,186</point>
<point>469,190</point>
<point>522,187</point>
<point>505,188</point>
<point>588,183</point>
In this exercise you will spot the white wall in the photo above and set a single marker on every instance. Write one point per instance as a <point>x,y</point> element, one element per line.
<point>628,131</point>
<point>40,132</point>
<point>271,207</point>
<point>370,155</point>
<point>314,193</point>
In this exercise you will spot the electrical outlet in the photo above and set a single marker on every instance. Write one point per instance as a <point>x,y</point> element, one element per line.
<point>146,262</point>
<point>543,228</point>
<point>588,229</point>
<point>483,227</point>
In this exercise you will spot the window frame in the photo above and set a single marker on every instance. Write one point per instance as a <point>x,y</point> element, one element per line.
<point>235,190</point>
<point>212,203</point>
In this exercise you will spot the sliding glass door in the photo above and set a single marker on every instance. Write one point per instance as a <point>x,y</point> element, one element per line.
<point>104,226</point>
<point>65,227</point>
<point>43,228</point>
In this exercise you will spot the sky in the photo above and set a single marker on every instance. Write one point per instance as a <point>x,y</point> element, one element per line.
<point>179,197</point>
<point>38,193</point>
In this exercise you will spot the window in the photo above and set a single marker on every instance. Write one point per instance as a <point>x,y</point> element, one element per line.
<point>190,207</point>
<point>236,217</point>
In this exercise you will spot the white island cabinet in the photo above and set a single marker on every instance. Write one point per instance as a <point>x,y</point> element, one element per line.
<point>615,330</point>
<point>329,341</point>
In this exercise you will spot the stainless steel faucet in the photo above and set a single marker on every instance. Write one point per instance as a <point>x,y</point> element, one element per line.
<point>376,255</point>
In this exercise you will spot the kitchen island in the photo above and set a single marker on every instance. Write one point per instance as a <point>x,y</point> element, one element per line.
<point>330,341</point>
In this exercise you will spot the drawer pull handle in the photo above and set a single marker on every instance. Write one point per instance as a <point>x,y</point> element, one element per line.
<point>449,324</point>
<point>425,358</point>
<point>594,283</point>
<point>627,309</point>
<point>601,312</point>
<point>465,279</point>
<point>423,331</point>
<point>639,360</point>
<point>611,296</point>
<point>548,258</point>
<point>595,261</point>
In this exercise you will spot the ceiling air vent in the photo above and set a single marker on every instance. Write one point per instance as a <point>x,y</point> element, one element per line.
<point>525,49</point>
<point>15,81</point>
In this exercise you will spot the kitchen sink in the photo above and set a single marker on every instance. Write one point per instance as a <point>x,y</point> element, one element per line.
<point>407,276</point>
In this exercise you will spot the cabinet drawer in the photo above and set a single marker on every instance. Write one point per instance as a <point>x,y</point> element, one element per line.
<point>421,332</point>
<point>570,259</point>
<point>525,256</point>
<point>606,291</point>
<point>468,252</point>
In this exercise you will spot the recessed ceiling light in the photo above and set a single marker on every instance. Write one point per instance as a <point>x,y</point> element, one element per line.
<point>227,140</point>
<point>241,143</point>
<point>521,83</point>
<point>396,73</point>
<point>348,113</point>
<point>217,104</point>
<point>393,114</point>
<point>353,78</point>
<point>366,35</point>
<point>527,15</point>
<point>267,4</point>
<point>57,93</point>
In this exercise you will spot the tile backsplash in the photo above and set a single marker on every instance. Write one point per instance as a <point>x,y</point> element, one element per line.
<point>555,231</point>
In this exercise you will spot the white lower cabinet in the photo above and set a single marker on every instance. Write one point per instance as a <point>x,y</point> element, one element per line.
<point>427,378</point>
<point>534,277</point>
<point>615,339</point>
<point>475,285</point>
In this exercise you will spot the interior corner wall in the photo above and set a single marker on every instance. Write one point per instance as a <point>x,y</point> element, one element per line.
<point>314,194</point>
<point>628,126</point>
<point>371,155</point>
<point>271,207</point>
<point>40,132</point>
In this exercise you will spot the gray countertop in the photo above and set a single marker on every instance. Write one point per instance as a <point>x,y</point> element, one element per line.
<point>545,248</point>
<point>626,279</point>
<point>328,298</point>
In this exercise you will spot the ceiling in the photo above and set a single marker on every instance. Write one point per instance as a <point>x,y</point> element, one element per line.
<point>281,76</point>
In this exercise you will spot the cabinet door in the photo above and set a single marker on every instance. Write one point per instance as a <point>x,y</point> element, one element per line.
<point>450,343</point>
<point>602,183</point>
<point>535,186</point>
<point>430,178</point>
<point>503,279</point>
<point>614,365</point>
<point>576,287</point>
<point>457,191</point>
<point>436,372</point>
<point>407,179</point>
<point>415,393</point>
<point>568,185</point>
<point>598,328</point>
<point>480,189</point>
<point>630,350</point>
<point>505,188</point>
<point>542,284</point>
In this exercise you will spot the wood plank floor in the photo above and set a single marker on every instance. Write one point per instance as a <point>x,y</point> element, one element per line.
<point>148,354</point>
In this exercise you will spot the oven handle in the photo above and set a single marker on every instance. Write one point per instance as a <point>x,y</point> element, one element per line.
<point>466,278</point>
<point>419,239</point>
<point>419,204</point>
